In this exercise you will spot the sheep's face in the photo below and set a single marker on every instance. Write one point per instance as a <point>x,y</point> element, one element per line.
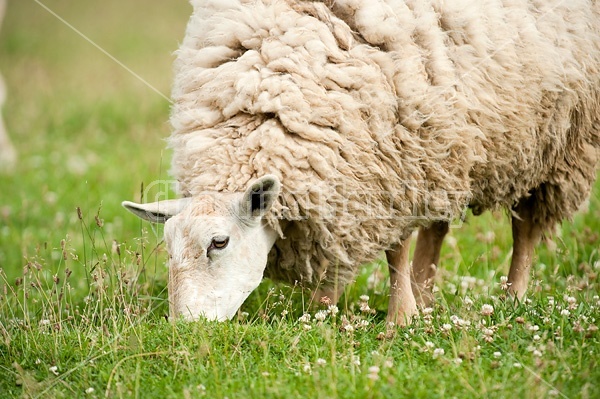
<point>218,247</point>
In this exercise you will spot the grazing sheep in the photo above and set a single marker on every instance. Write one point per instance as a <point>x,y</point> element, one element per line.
<point>309,137</point>
<point>8,155</point>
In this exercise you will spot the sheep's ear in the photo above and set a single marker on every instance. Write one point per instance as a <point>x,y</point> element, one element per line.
<point>260,196</point>
<point>157,212</point>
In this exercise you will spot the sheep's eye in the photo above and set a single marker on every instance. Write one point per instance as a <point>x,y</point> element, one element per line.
<point>219,242</point>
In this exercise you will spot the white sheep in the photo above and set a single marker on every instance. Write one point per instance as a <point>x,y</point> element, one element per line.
<point>8,155</point>
<point>309,137</point>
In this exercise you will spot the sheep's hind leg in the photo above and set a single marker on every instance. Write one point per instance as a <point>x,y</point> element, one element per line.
<point>526,235</point>
<point>426,259</point>
<point>402,305</point>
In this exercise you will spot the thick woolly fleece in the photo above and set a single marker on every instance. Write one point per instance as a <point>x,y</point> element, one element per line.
<point>380,116</point>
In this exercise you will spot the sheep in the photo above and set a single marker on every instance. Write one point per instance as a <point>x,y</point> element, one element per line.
<point>8,154</point>
<point>309,137</point>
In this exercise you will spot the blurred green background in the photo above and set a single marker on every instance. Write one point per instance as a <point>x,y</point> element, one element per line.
<point>88,132</point>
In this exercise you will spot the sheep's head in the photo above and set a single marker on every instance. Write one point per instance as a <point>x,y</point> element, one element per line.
<point>218,246</point>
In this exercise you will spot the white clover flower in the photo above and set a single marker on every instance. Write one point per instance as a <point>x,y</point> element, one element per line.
<point>488,334</point>
<point>565,312</point>
<point>89,390</point>
<point>305,318</point>
<point>536,337</point>
<point>373,373</point>
<point>504,284</point>
<point>537,353</point>
<point>429,344</point>
<point>437,352</point>
<point>364,307</point>
<point>517,365</point>
<point>467,282</point>
<point>374,370</point>
<point>364,298</point>
<point>321,362</point>
<point>487,310</point>
<point>321,315</point>
<point>450,287</point>
<point>497,354</point>
<point>427,311</point>
<point>534,327</point>
<point>468,302</point>
<point>53,370</point>
<point>487,331</point>
<point>458,361</point>
<point>446,327</point>
<point>457,321</point>
<point>306,368</point>
<point>363,324</point>
<point>349,327</point>
<point>333,310</point>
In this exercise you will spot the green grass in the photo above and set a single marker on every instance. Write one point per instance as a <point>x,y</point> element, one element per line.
<point>83,283</point>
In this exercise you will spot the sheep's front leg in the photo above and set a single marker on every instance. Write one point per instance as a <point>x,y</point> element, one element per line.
<point>402,305</point>
<point>425,260</point>
<point>526,235</point>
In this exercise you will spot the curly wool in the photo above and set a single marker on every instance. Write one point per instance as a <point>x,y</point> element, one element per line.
<point>379,117</point>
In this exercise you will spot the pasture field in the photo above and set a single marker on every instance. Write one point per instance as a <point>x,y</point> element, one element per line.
<point>83,293</point>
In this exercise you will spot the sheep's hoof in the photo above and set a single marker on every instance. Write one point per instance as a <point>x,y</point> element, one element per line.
<point>404,315</point>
